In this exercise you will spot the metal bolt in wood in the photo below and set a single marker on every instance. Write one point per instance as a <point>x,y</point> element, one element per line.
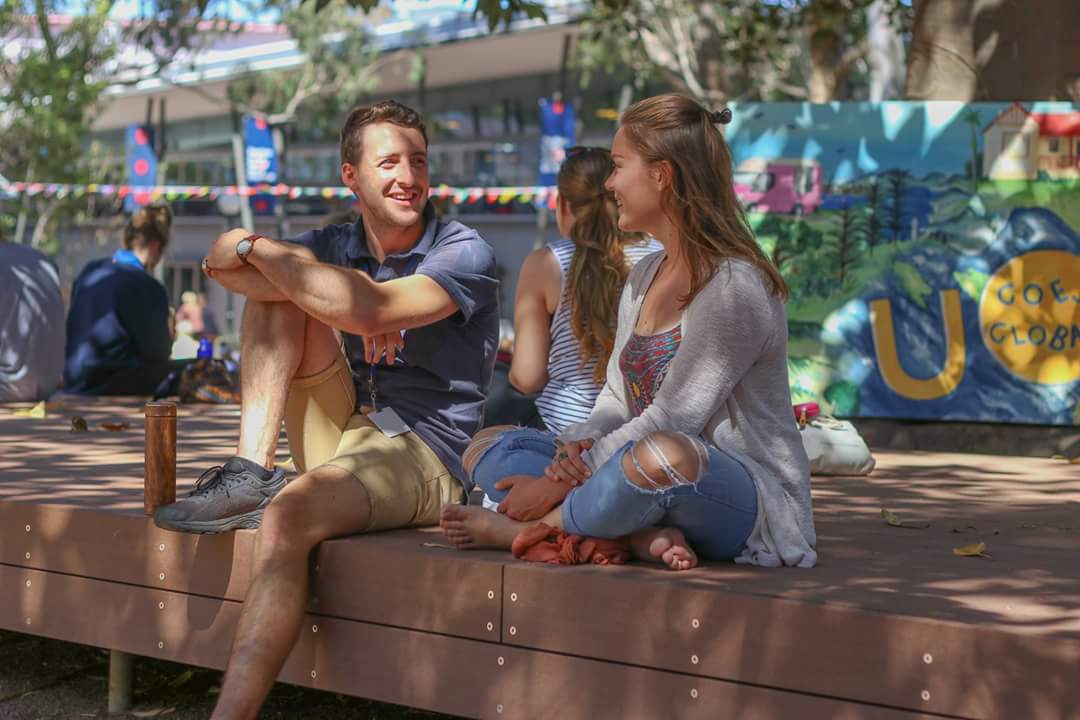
<point>160,645</point>
<point>926,695</point>
<point>27,528</point>
<point>490,626</point>
<point>27,583</point>
<point>161,547</point>
<point>161,576</point>
<point>27,556</point>
<point>314,628</point>
<point>502,660</point>
<point>313,674</point>
<point>491,594</point>
<point>513,597</point>
<point>928,658</point>
<point>513,630</point>
<point>27,621</point>
<point>161,606</point>
<point>695,623</point>
<point>693,693</point>
<point>694,659</point>
<point>499,708</point>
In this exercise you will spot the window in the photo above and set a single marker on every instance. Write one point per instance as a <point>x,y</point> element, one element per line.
<point>1013,143</point>
<point>1053,145</point>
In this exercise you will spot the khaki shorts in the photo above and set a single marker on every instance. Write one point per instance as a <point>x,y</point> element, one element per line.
<point>406,483</point>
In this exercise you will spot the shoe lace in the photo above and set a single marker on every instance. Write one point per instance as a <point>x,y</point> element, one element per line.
<point>209,481</point>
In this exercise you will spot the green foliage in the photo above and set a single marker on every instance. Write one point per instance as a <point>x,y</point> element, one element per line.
<point>729,49</point>
<point>496,11</point>
<point>843,397</point>
<point>913,283</point>
<point>338,68</point>
<point>972,282</point>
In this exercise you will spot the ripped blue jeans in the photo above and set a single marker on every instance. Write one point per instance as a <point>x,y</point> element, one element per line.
<point>716,513</point>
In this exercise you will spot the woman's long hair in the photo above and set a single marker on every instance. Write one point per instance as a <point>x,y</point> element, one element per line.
<point>700,201</point>
<point>598,270</point>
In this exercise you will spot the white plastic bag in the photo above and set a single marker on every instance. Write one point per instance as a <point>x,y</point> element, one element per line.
<point>836,448</point>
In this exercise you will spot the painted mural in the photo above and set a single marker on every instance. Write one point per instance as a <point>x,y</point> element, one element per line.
<point>933,252</point>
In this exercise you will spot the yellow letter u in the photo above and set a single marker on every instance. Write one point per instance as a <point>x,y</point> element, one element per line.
<point>895,376</point>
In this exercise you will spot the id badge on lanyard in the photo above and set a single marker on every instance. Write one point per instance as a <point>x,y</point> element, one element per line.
<point>386,419</point>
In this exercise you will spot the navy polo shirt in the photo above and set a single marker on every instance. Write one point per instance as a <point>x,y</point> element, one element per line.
<point>439,381</point>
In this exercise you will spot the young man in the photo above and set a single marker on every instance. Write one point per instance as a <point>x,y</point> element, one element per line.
<point>379,446</point>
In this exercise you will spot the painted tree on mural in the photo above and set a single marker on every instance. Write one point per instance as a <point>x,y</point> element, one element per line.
<point>847,241</point>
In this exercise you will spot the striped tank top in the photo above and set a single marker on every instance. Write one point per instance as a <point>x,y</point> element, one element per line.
<point>570,392</point>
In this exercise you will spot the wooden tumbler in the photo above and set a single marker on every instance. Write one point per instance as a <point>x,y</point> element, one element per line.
<point>159,471</point>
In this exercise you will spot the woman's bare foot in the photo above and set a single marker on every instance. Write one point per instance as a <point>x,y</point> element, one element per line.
<point>664,545</point>
<point>470,528</point>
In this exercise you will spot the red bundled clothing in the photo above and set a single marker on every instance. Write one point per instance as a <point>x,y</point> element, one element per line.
<point>543,543</point>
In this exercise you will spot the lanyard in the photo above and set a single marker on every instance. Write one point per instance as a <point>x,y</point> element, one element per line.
<point>410,268</point>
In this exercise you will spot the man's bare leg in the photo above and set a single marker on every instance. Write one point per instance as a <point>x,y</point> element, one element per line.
<point>277,343</point>
<point>326,502</point>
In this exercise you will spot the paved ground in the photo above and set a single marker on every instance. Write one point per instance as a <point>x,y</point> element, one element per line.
<point>50,679</point>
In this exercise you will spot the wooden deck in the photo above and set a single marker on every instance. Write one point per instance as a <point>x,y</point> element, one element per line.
<point>891,624</point>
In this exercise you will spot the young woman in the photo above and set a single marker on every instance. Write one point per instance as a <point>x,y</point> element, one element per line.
<point>118,334</point>
<point>691,449</point>
<point>568,295</point>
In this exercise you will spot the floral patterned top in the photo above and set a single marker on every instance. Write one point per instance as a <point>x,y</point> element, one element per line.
<point>644,364</point>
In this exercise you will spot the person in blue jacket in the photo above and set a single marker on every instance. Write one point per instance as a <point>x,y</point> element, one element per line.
<point>118,333</point>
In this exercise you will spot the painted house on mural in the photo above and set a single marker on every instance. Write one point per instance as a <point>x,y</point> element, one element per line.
<point>1021,145</point>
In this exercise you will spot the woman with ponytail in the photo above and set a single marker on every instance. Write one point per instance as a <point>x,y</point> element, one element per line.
<point>118,335</point>
<point>691,450</point>
<point>568,295</point>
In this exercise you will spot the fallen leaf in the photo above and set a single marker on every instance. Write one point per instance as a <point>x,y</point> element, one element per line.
<point>78,424</point>
<point>181,678</point>
<point>1058,457</point>
<point>37,412</point>
<point>438,545</point>
<point>894,520</point>
<point>213,691</point>
<point>973,550</point>
<point>153,712</point>
<point>115,426</point>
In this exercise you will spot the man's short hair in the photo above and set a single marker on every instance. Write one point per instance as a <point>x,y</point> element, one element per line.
<point>387,111</point>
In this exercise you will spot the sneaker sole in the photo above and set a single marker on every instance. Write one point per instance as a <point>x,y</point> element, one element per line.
<point>249,521</point>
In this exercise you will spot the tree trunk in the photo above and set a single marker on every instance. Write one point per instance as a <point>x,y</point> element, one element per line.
<point>983,50</point>
<point>885,54</point>
<point>45,214</point>
<point>824,66</point>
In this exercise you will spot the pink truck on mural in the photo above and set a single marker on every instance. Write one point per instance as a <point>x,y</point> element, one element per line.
<point>784,185</point>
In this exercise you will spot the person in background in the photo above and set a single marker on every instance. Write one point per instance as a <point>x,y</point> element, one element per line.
<point>568,294</point>
<point>118,334</point>
<point>192,311</point>
<point>31,324</point>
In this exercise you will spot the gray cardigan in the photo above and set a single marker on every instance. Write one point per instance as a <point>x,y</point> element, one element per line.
<point>728,384</point>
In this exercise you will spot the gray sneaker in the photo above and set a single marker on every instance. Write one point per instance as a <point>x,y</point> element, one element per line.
<point>225,498</point>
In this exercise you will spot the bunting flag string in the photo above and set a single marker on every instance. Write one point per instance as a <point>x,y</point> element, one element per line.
<point>502,195</point>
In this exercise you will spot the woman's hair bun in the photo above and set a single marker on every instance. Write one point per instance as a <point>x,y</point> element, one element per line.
<point>723,117</point>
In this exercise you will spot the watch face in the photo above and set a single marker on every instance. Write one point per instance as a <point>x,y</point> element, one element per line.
<point>243,247</point>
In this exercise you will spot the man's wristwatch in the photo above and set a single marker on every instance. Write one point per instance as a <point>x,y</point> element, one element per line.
<point>245,246</point>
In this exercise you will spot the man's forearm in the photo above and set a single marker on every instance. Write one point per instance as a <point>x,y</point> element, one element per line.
<point>339,297</point>
<point>249,282</point>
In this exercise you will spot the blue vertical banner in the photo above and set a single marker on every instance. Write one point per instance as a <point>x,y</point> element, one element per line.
<point>556,135</point>
<point>141,166</point>
<point>260,161</point>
